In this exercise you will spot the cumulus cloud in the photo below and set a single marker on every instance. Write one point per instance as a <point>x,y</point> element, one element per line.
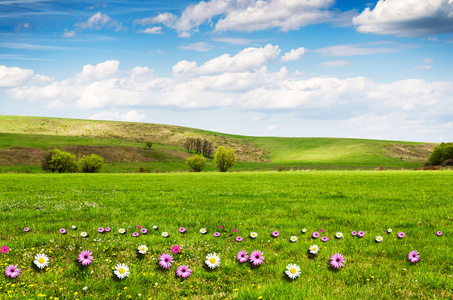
<point>14,76</point>
<point>96,21</point>
<point>100,71</point>
<point>131,116</point>
<point>152,30</point>
<point>407,18</point>
<point>294,54</point>
<point>69,34</point>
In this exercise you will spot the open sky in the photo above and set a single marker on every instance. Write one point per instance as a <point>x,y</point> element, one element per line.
<point>303,68</point>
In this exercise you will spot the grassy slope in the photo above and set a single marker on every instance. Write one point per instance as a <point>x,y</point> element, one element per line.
<point>319,153</point>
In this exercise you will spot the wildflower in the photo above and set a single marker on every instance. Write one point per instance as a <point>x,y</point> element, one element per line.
<point>314,249</point>
<point>62,231</point>
<point>401,235</point>
<point>85,288</point>
<point>324,239</point>
<point>73,227</point>
<point>354,233</point>
<point>12,271</point>
<point>4,249</point>
<point>338,235</point>
<point>85,257</point>
<point>256,257</point>
<point>183,271</point>
<point>212,260</point>
<point>135,234</point>
<point>203,231</point>
<point>253,235</point>
<point>138,227</point>
<point>413,256</point>
<point>293,239</point>
<point>165,260</point>
<point>275,234</point>
<point>41,260</point>
<point>122,230</point>
<point>216,234</point>
<point>100,230</point>
<point>182,230</point>
<point>293,271</point>
<point>121,271</point>
<point>142,249</point>
<point>315,235</point>
<point>154,227</point>
<point>304,230</point>
<point>144,231</point>
<point>175,249</point>
<point>320,230</point>
<point>242,256</point>
<point>389,230</point>
<point>337,260</point>
<point>107,229</point>
<point>220,227</point>
<point>239,239</point>
<point>235,230</point>
<point>361,234</point>
<point>26,229</point>
<point>165,234</point>
<point>379,239</point>
<point>83,234</point>
<point>439,233</point>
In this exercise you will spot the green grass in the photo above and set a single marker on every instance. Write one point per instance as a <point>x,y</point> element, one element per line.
<point>417,203</point>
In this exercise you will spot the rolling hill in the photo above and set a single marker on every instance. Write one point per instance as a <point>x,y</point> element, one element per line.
<point>24,141</point>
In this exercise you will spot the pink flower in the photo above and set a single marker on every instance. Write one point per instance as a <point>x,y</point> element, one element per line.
<point>165,260</point>
<point>135,234</point>
<point>275,234</point>
<point>216,234</point>
<point>12,271</point>
<point>175,249</point>
<point>235,230</point>
<point>183,271</point>
<point>4,249</point>
<point>337,260</point>
<point>85,257</point>
<point>144,230</point>
<point>26,229</point>
<point>100,230</point>
<point>220,226</point>
<point>320,230</point>
<point>401,235</point>
<point>315,235</point>
<point>139,226</point>
<point>256,257</point>
<point>62,231</point>
<point>324,239</point>
<point>107,229</point>
<point>242,256</point>
<point>354,233</point>
<point>413,256</point>
<point>239,239</point>
<point>439,233</point>
<point>361,233</point>
<point>182,230</point>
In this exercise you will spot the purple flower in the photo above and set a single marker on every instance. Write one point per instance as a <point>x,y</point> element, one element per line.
<point>239,239</point>
<point>12,271</point>
<point>62,231</point>
<point>100,230</point>
<point>337,260</point>
<point>413,256</point>
<point>401,235</point>
<point>175,249</point>
<point>439,233</point>
<point>361,234</point>
<point>4,249</point>
<point>183,271</point>
<point>165,260</point>
<point>135,234</point>
<point>354,233</point>
<point>242,256</point>
<point>26,229</point>
<point>256,257</point>
<point>315,235</point>
<point>216,234</point>
<point>182,230</point>
<point>320,230</point>
<point>275,234</point>
<point>138,227</point>
<point>107,229</point>
<point>85,257</point>
<point>220,227</point>
<point>324,239</point>
<point>144,231</point>
<point>235,230</point>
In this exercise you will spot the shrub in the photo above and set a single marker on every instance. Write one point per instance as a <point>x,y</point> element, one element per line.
<point>91,164</point>
<point>59,161</point>
<point>224,158</point>
<point>196,163</point>
<point>281,168</point>
<point>149,144</point>
<point>441,153</point>
<point>448,163</point>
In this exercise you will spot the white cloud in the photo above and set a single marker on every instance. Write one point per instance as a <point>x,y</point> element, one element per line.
<point>423,67</point>
<point>167,19</point>
<point>234,41</point>
<point>96,21</point>
<point>407,18</point>
<point>428,61</point>
<point>294,54</point>
<point>69,34</point>
<point>200,47</point>
<point>14,76</point>
<point>131,116</point>
<point>335,63</point>
<point>100,71</point>
<point>357,49</point>
<point>152,30</point>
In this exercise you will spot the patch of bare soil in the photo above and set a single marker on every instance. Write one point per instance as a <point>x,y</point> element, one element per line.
<point>413,153</point>
<point>21,156</point>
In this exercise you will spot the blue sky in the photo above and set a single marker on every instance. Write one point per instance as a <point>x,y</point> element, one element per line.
<point>302,68</point>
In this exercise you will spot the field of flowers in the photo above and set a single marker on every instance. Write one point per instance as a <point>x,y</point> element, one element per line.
<point>288,235</point>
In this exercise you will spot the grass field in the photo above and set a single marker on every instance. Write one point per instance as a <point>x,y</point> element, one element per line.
<point>418,203</point>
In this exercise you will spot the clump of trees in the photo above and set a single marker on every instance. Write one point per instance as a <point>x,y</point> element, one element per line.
<point>224,158</point>
<point>149,144</point>
<point>196,163</point>
<point>199,146</point>
<point>441,154</point>
<point>64,162</point>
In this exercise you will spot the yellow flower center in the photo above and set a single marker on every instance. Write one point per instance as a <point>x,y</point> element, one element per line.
<point>143,248</point>
<point>122,271</point>
<point>314,248</point>
<point>41,260</point>
<point>293,271</point>
<point>213,260</point>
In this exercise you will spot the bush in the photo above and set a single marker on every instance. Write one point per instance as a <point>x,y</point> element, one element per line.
<point>448,163</point>
<point>91,164</point>
<point>196,163</point>
<point>224,158</point>
<point>149,144</point>
<point>59,161</point>
<point>281,168</point>
<point>440,154</point>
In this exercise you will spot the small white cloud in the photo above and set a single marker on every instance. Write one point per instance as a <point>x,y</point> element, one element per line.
<point>152,30</point>
<point>69,34</point>
<point>96,21</point>
<point>184,66</point>
<point>335,63</point>
<point>428,61</point>
<point>200,47</point>
<point>234,41</point>
<point>294,54</point>
<point>423,67</point>
<point>130,116</point>
<point>184,34</point>
<point>356,49</point>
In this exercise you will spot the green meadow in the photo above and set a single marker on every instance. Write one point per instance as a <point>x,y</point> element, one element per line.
<point>418,203</point>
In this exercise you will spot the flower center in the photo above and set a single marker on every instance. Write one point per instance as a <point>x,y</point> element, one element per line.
<point>314,248</point>
<point>293,271</point>
<point>143,248</point>
<point>41,260</point>
<point>213,260</point>
<point>122,271</point>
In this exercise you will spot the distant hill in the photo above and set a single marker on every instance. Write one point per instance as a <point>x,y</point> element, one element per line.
<point>24,141</point>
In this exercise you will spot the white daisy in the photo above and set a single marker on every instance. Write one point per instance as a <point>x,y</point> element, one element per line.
<point>203,231</point>
<point>304,230</point>
<point>155,227</point>
<point>314,249</point>
<point>293,239</point>
<point>121,271</point>
<point>293,271</point>
<point>122,230</point>
<point>83,234</point>
<point>379,239</point>
<point>73,227</point>
<point>212,260</point>
<point>253,235</point>
<point>339,235</point>
<point>142,249</point>
<point>41,260</point>
<point>389,230</point>
<point>165,234</point>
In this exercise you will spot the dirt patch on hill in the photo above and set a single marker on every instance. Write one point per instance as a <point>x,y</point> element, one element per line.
<point>21,156</point>
<point>413,153</point>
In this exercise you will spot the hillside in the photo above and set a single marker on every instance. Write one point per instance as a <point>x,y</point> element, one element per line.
<point>24,140</point>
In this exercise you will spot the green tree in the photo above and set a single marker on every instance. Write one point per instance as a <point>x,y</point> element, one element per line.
<point>196,163</point>
<point>224,158</point>
<point>59,161</point>
<point>91,164</point>
<point>441,153</point>
<point>149,144</point>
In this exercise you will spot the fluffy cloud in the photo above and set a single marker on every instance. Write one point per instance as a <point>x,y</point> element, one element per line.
<point>100,71</point>
<point>294,54</point>
<point>407,18</point>
<point>152,30</point>
<point>16,76</point>
<point>96,21</point>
